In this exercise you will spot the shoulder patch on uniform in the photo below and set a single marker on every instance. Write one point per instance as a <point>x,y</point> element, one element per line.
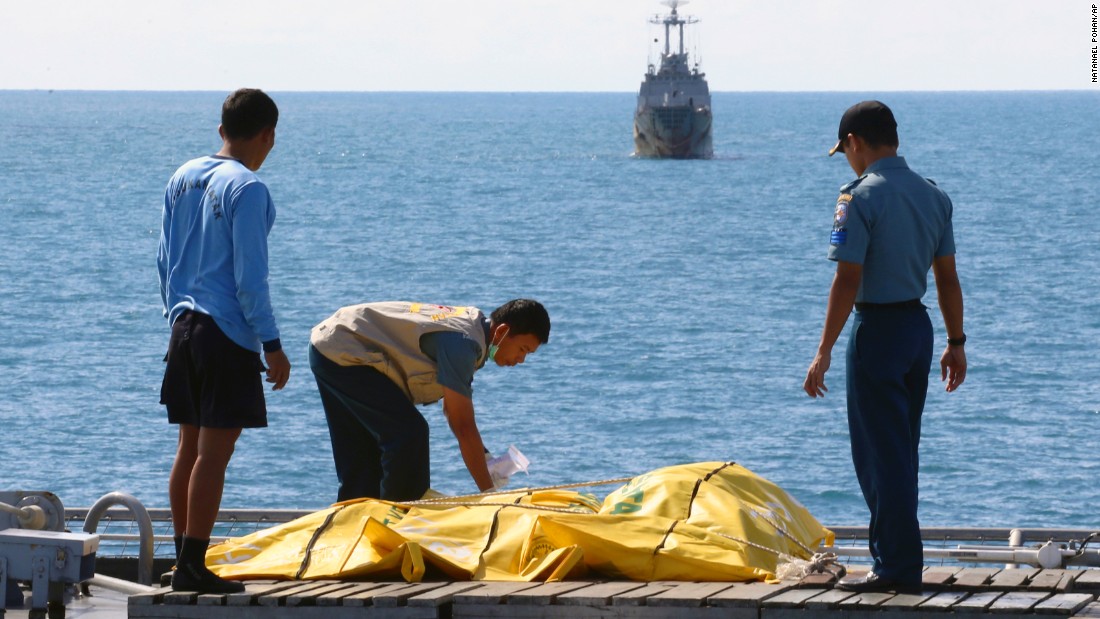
<point>840,215</point>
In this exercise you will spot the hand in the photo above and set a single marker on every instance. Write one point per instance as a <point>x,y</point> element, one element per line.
<point>278,368</point>
<point>953,367</point>
<point>815,376</point>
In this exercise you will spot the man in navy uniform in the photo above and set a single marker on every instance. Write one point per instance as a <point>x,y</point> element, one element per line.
<point>889,227</point>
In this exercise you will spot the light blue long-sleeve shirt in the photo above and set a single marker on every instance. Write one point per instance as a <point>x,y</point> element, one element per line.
<point>212,256</point>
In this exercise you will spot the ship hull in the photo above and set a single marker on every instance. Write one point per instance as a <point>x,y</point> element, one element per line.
<point>678,132</point>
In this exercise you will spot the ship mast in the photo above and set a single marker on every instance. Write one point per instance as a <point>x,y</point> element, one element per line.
<point>673,19</point>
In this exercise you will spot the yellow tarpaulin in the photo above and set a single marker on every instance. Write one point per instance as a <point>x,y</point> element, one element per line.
<point>709,521</point>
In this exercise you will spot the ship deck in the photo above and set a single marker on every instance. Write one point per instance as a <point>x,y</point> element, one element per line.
<point>950,588</point>
<point>948,591</point>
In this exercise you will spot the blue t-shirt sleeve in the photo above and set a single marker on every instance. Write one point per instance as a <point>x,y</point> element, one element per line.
<point>851,232</point>
<point>252,217</point>
<point>455,357</point>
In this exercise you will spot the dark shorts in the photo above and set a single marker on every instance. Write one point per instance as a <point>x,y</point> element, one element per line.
<point>209,380</point>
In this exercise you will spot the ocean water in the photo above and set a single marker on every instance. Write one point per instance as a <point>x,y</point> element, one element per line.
<point>686,297</point>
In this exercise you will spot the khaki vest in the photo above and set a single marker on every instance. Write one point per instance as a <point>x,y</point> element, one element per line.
<point>386,336</point>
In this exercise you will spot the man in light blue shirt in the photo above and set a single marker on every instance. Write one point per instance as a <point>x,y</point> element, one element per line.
<point>890,226</point>
<point>212,263</point>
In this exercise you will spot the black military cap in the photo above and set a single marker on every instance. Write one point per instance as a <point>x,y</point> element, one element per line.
<point>870,120</point>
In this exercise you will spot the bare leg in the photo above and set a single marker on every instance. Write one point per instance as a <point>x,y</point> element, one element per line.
<point>208,450</point>
<point>204,497</point>
<point>187,450</point>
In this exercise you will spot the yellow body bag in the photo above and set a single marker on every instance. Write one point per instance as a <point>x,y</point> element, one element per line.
<point>709,521</point>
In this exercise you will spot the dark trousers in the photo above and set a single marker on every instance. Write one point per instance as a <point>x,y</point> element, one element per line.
<point>888,359</point>
<point>379,438</point>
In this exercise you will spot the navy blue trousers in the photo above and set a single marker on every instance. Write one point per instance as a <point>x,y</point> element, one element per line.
<point>379,438</point>
<point>888,359</point>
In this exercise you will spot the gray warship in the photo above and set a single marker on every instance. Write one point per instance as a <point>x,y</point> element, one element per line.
<point>673,118</point>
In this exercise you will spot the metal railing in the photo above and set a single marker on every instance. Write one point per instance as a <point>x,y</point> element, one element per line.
<point>1008,547</point>
<point>120,536</point>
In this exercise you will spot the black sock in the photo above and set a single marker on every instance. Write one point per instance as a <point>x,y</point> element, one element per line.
<point>178,540</point>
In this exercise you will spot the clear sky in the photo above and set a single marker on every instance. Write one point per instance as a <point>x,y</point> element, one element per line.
<point>541,45</point>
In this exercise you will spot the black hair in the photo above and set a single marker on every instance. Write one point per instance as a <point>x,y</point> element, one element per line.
<point>524,316</point>
<point>247,112</point>
<point>879,136</point>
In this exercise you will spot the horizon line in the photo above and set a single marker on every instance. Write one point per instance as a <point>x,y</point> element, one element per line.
<point>547,92</point>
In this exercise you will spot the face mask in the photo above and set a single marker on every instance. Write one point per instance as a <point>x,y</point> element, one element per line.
<point>494,347</point>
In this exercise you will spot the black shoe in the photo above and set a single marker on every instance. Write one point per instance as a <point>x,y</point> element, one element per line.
<point>192,574</point>
<point>872,582</point>
<point>202,580</point>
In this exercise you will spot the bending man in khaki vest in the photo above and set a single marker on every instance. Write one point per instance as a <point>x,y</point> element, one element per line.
<point>376,361</point>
